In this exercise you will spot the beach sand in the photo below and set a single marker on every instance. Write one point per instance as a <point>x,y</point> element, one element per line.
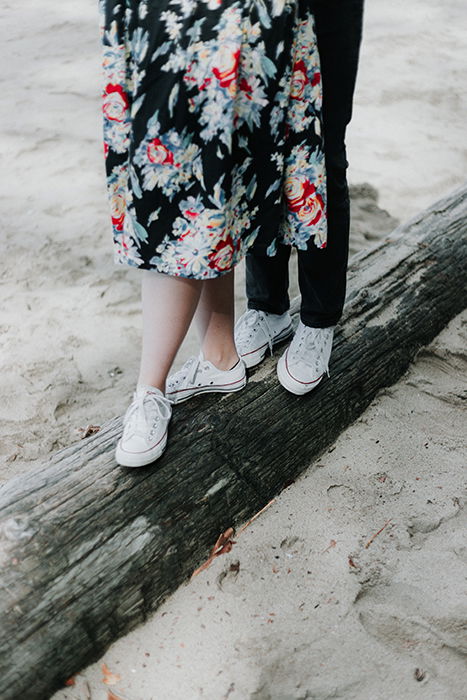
<point>69,350</point>
<point>301,607</point>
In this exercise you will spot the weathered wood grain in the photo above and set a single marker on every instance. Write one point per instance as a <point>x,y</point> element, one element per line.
<point>89,549</point>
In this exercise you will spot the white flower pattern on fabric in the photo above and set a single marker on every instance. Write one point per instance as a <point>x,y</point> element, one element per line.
<point>212,131</point>
<point>167,160</point>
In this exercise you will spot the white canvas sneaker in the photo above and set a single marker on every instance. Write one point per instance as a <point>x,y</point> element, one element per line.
<point>199,376</point>
<point>305,362</point>
<point>256,332</point>
<point>145,427</point>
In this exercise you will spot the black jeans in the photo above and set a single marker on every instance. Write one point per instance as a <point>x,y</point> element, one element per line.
<point>322,273</point>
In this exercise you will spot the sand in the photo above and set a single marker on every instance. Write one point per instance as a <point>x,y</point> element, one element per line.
<point>69,351</point>
<point>312,612</point>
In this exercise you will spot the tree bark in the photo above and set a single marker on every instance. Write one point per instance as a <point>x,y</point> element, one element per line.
<point>89,549</point>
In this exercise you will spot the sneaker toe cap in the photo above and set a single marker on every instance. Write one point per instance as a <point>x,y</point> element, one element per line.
<point>136,444</point>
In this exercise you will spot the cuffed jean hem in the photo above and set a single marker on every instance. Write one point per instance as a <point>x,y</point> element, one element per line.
<point>269,308</point>
<point>319,323</point>
<point>311,321</point>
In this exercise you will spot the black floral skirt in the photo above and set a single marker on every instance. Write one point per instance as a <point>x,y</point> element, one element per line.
<point>212,131</point>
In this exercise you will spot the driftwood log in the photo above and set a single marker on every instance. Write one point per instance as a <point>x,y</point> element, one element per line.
<point>89,549</point>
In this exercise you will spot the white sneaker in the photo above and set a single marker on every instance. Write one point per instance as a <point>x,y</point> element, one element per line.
<point>305,362</point>
<point>199,376</point>
<point>257,331</point>
<point>145,426</point>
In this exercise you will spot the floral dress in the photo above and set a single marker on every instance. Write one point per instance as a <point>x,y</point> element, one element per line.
<point>212,131</point>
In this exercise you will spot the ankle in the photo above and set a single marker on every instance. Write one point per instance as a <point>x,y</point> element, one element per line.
<point>278,320</point>
<point>157,383</point>
<point>222,360</point>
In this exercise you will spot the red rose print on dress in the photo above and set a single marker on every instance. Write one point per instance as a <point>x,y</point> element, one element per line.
<point>299,80</point>
<point>118,206</point>
<point>116,110</point>
<point>116,103</point>
<point>227,69</point>
<point>221,258</point>
<point>304,200</point>
<point>158,153</point>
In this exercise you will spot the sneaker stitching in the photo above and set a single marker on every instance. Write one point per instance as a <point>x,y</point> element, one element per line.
<point>294,378</point>
<point>141,452</point>
<point>178,391</point>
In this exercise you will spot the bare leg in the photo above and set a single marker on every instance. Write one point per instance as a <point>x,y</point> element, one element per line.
<point>215,321</point>
<point>169,304</point>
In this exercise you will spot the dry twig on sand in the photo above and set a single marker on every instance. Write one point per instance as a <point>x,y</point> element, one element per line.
<point>373,537</point>
<point>256,515</point>
<point>224,543</point>
<point>88,430</point>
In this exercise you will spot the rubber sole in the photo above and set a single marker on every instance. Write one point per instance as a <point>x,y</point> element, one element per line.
<point>127,459</point>
<point>294,386</point>
<point>208,389</point>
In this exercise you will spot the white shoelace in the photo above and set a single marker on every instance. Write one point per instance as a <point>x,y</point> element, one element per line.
<point>144,412</point>
<point>244,327</point>
<point>186,374</point>
<point>315,341</point>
